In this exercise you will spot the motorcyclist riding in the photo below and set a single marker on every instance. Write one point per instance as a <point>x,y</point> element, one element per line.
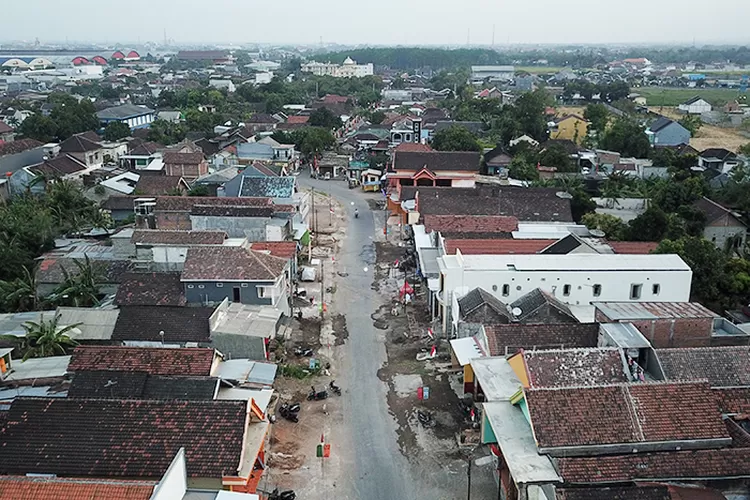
<point>356,213</point>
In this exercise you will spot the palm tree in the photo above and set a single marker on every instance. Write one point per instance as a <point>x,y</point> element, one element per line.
<point>20,294</point>
<point>44,338</point>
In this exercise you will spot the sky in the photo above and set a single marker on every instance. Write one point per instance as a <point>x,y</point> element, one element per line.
<point>379,22</point>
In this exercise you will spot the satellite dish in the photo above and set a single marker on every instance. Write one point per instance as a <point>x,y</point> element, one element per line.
<point>516,311</point>
<point>598,233</point>
<point>564,195</point>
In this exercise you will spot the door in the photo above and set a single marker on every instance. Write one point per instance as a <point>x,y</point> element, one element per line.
<point>236,294</point>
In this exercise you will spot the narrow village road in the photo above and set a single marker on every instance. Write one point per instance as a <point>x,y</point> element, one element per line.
<point>377,469</point>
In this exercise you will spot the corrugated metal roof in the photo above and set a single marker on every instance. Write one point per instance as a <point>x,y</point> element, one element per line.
<point>618,311</point>
<point>96,324</point>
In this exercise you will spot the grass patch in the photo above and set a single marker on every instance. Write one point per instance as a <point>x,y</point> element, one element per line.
<point>297,371</point>
<point>660,96</point>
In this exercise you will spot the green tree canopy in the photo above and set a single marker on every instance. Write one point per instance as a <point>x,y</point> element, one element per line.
<point>455,138</point>
<point>114,131</point>
<point>324,117</point>
<point>598,115</point>
<point>44,338</point>
<point>613,228</point>
<point>556,156</point>
<point>627,137</point>
<point>523,170</point>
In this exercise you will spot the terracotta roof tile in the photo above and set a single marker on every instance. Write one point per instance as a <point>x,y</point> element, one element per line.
<point>412,147</point>
<point>451,161</point>
<point>54,488</point>
<point>298,119</point>
<point>5,128</point>
<point>176,158</point>
<point>19,146</point>
<point>470,224</point>
<point>231,264</point>
<point>614,493</point>
<point>153,360</point>
<point>160,237</point>
<point>574,367</point>
<point>495,246</point>
<point>156,185</point>
<point>633,247</point>
<point>125,438</point>
<point>150,289</point>
<point>733,399</point>
<point>283,249</point>
<point>179,324</point>
<point>698,464</point>
<point>508,339</point>
<point>186,203</point>
<point>721,366</point>
<point>646,413</point>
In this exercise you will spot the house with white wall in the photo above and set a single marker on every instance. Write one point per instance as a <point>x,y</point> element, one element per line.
<point>574,279</point>
<point>695,106</point>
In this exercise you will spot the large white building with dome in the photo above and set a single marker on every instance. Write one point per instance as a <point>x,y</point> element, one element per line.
<point>349,69</point>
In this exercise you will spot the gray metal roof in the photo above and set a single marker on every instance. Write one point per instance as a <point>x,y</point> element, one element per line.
<point>123,112</point>
<point>625,335</point>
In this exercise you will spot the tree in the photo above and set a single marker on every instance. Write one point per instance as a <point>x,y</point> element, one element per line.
<point>691,122</point>
<point>109,92</point>
<point>377,117</point>
<point>324,117</point>
<point>613,227</point>
<point>455,138</point>
<point>556,156</point>
<point>20,294</point>
<point>114,131</point>
<point>80,289</point>
<point>165,132</point>
<point>522,170</point>
<point>528,111</point>
<point>598,115</point>
<point>44,338</point>
<point>39,127</point>
<point>649,226</point>
<point>198,190</point>
<point>745,149</point>
<point>707,262</point>
<point>627,137</point>
<point>313,140</point>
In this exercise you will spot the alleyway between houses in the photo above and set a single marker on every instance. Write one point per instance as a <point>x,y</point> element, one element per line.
<point>378,448</point>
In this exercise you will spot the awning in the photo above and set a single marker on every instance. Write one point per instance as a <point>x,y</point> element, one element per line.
<point>466,349</point>
<point>517,444</point>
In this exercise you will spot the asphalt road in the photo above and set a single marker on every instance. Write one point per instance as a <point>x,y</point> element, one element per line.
<point>379,470</point>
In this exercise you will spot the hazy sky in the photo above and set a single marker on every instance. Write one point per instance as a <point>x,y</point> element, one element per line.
<point>403,22</point>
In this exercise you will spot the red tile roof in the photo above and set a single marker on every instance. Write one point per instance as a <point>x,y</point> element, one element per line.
<point>152,360</point>
<point>54,488</point>
<point>231,264</point>
<point>163,237</point>
<point>5,128</point>
<point>645,413</point>
<point>176,158</point>
<point>508,339</point>
<point>633,247</point>
<point>574,367</point>
<point>413,147</point>
<point>614,493</point>
<point>298,119</point>
<point>283,249</point>
<point>721,366</point>
<point>698,464</point>
<point>122,438</point>
<point>496,246</point>
<point>470,223</point>
<point>733,399</point>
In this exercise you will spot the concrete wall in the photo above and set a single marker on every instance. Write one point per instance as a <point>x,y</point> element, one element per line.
<point>720,231</point>
<point>214,292</point>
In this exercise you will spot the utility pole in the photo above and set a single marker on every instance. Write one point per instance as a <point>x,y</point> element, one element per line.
<point>330,210</point>
<point>468,477</point>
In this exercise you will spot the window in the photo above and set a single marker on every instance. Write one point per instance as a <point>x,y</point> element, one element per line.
<point>566,290</point>
<point>506,290</point>
<point>635,291</point>
<point>597,290</point>
<point>494,288</point>
<point>655,288</point>
<point>244,285</point>
<point>261,292</point>
<point>191,286</point>
<point>219,285</point>
<point>201,286</point>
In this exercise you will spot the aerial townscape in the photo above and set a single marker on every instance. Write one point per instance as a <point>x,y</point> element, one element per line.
<point>236,267</point>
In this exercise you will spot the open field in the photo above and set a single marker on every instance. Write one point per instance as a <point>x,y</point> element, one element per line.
<point>708,136</point>
<point>662,96</point>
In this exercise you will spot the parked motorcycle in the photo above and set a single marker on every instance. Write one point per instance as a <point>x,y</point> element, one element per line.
<point>336,389</point>
<point>425,418</point>
<point>317,396</point>
<point>286,411</point>
<point>284,495</point>
<point>303,351</point>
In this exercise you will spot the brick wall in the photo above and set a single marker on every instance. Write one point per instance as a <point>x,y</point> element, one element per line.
<point>680,332</point>
<point>173,220</point>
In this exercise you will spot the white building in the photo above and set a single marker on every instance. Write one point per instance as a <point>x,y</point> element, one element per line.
<point>350,69</point>
<point>481,73</point>
<point>222,83</point>
<point>695,106</point>
<point>263,77</point>
<point>576,279</point>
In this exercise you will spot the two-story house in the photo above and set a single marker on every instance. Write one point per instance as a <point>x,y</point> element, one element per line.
<point>570,127</point>
<point>184,163</point>
<point>130,114</point>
